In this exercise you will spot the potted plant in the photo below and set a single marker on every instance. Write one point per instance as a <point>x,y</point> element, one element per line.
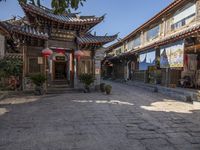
<point>87,80</point>
<point>38,80</point>
<point>108,89</point>
<point>102,87</point>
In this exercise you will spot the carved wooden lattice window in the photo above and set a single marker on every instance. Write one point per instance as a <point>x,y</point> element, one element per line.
<point>85,66</point>
<point>33,66</point>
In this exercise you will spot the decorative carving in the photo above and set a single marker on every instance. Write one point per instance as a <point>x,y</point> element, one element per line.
<point>63,35</point>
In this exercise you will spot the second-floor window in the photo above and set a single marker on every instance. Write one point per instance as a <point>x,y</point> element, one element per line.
<point>137,41</point>
<point>33,66</point>
<point>130,45</point>
<point>184,16</point>
<point>153,33</point>
<point>134,43</point>
<point>118,51</point>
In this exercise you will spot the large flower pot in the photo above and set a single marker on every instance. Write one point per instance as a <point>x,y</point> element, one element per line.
<point>87,89</point>
<point>108,92</point>
<point>108,89</point>
<point>39,90</point>
<point>102,87</point>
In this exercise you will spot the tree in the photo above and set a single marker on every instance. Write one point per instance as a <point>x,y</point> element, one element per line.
<point>10,67</point>
<point>59,6</point>
<point>10,72</point>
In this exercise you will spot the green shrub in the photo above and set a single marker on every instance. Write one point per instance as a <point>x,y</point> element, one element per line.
<point>86,79</point>
<point>38,79</point>
<point>102,87</point>
<point>10,67</point>
<point>108,89</point>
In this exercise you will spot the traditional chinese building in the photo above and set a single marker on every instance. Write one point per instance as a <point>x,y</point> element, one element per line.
<point>164,50</point>
<point>67,35</point>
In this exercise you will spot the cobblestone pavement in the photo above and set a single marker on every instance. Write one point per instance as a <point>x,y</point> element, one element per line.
<point>129,119</point>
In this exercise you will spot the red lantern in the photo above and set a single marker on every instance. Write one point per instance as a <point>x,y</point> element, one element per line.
<point>79,54</point>
<point>47,52</point>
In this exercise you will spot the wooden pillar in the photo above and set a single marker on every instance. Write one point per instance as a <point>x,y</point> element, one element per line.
<point>45,71</point>
<point>72,69</point>
<point>197,10</point>
<point>143,38</point>
<point>164,25</point>
<point>25,64</point>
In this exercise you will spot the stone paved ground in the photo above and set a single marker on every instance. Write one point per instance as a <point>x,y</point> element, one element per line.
<point>129,119</point>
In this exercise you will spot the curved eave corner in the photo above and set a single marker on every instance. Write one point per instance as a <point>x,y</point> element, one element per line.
<point>60,18</point>
<point>90,39</point>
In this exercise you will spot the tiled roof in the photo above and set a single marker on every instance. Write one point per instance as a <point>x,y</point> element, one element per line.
<point>23,29</point>
<point>68,18</point>
<point>174,37</point>
<point>92,39</point>
<point>171,38</point>
<point>182,33</point>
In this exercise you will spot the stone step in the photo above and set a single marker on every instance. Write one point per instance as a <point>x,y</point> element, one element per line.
<point>60,81</point>
<point>59,86</point>
<point>54,90</point>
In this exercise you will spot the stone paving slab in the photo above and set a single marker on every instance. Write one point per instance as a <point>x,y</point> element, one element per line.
<point>128,119</point>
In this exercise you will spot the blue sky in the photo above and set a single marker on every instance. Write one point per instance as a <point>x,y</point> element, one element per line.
<point>122,15</point>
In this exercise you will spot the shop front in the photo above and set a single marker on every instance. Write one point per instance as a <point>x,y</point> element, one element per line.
<point>179,62</point>
<point>191,71</point>
<point>172,63</point>
<point>148,69</point>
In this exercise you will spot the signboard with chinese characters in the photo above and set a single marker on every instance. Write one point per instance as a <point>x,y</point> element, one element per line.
<point>60,58</point>
<point>171,56</point>
<point>2,46</point>
<point>59,34</point>
<point>97,71</point>
<point>40,60</point>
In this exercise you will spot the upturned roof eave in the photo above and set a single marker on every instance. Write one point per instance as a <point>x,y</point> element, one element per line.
<point>172,38</point>
<point>91,39</point>
<point>10,29</point>
<point>61,18</point>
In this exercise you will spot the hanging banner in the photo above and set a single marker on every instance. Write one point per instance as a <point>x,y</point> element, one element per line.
<point>171,55</point>
<point>147,59</point>
<point>2,46</point>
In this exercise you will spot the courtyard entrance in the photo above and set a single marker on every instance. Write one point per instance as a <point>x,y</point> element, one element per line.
<point>61,67</point>
<point>60,70</point>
